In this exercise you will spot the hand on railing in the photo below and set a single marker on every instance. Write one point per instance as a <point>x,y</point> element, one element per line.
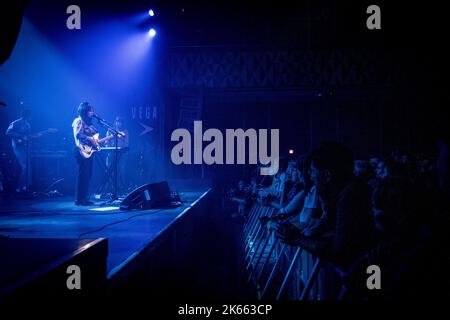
<point>265,199</point>
<point>266,219</point>
<point>314,227</point>
<point>288,233</point>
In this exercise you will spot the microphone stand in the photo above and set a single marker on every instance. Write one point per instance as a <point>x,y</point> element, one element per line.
<point>116,135</point>
<point>28,162</point>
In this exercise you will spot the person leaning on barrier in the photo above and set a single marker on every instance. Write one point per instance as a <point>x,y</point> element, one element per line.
<point>303,204</point>
<point>343,231</point>
<point>242,196</point>
<point>272,193</point>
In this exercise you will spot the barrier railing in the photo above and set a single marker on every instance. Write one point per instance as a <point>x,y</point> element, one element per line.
<point>275,269</point>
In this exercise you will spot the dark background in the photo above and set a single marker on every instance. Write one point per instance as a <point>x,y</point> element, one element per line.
<point>310,68</point>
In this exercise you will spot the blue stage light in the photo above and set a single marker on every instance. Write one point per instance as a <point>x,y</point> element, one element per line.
<point>151,13</point>
<point>101,209</point>
<point>152,32</point>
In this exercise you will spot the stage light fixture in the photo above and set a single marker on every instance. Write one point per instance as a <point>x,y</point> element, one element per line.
<point>151,13</point>
<point>152,32</point>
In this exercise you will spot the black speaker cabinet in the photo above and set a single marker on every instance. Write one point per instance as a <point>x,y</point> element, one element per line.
<point>151,195</point>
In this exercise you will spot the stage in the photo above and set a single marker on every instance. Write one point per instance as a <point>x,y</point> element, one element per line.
<point>128,232</point>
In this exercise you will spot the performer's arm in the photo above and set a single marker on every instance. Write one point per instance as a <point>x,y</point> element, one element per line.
<point>12,131</point>
<point>35,135</point>
<point>79,135</point>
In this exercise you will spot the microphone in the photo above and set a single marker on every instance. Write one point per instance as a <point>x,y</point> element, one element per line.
<point>96,116</point>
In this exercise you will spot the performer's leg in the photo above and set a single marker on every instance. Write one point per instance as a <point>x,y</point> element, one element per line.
<point>108,161</point>
<point>88,175</point>
<point>28,170</point>
<point>83,178</point>
<point>122,159</point>
<point>80,179</point>
<point>21,157</point>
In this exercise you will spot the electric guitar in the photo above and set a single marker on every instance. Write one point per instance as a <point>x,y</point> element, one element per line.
<point>87,151</point>
<point>23,139</point>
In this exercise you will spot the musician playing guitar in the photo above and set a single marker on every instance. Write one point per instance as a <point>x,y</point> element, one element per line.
<point>20,132</point>
<point>85,135</point>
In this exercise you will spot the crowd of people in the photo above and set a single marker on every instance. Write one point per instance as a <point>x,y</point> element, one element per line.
<point>391,212</point>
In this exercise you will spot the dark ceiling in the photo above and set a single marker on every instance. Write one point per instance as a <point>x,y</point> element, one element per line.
<point>304,24</point>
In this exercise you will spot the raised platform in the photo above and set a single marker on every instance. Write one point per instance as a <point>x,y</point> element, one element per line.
<point>32,267</point>
<point>128,233</point>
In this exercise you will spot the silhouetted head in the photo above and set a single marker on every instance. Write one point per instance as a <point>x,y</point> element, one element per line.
<point>394,206</point>
<point>118,123</point>
<point>86,111</point>
<point>331,164</point>
<point>303,165</point>
<point>362,169</point>
<point>381,171</point>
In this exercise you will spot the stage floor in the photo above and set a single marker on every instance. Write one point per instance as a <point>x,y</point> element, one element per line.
<point>127,231</point>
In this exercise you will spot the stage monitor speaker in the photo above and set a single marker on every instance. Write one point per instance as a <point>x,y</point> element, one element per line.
<point>148,196</point>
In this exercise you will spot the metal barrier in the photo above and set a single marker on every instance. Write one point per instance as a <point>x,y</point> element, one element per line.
<point>275,269</point>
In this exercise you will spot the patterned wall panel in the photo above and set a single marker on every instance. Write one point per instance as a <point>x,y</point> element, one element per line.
<point>282,69</point>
